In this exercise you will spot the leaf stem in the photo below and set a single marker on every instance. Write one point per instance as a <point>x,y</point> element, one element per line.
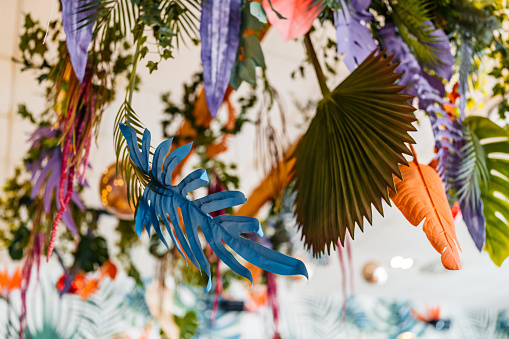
<point>414,153</point>
<point>132,78</point>
<point>316,65</point>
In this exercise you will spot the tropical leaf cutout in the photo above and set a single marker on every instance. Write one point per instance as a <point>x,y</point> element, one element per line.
<point>346,160</point>
<point>219,32</point>
<point>466,171</point>
<point>429,44</point>
<point>421,196</point>
<point>77,38</point>
<point>163,202</point>
<point>353,39</point>
<point>298,16</point>
<point>494,141</point>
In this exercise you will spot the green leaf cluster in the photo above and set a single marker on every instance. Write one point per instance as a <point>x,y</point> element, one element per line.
<point>250,54</point>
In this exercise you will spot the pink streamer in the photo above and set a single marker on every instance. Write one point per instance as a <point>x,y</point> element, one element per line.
<point>343,276</point>
<point>272,293</point>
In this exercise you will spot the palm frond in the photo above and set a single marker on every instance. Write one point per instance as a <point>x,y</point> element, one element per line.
<point>412,17</point>
<point>109,14</point>
<point>346,160</point>
<point>184,18</point>
<point>134,179</point>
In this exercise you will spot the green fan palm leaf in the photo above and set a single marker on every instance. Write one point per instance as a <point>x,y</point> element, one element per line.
<point>494,141</point>
<point>346,160</point>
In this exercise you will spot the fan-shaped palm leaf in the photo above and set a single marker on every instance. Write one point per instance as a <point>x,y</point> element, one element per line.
<point>165,201</point>
<point>346,159</point>
<point>494,141</point>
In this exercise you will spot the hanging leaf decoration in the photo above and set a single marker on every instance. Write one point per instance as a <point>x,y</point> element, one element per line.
<point>428,44</point>
<point>466,63</point>
<point>45,176</point>
<point>163,202</point>
<point>421,196</point>
<point>77,37</point>
<point>219,32</point>
<point>250,54</point>
<point>346,159</point>
<point>352,38</point>
<point>298,16</point>
<point>465,171</point>
<point>492,146</point>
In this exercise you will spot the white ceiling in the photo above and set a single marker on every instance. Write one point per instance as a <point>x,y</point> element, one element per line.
<point>479,283</point>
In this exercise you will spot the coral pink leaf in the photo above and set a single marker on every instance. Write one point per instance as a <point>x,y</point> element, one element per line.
<point>299,15</point>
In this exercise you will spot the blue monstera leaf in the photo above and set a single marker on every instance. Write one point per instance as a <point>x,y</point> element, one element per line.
<point>162,202</point>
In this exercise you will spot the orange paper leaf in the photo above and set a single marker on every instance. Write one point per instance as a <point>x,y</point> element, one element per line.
<point>421,196</point>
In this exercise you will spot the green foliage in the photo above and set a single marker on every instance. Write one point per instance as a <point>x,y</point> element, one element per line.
<point>19,243</point>
<point>460,17</point>
<point>188,324</point>
<point>474,171</point>
<point>250,54</point>
<point>410,17</point>
<point>92,253</point>
<point>346,160</point>
<point>494,141</point>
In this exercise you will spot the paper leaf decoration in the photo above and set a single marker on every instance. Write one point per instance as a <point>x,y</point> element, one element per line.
<point>219,32</point>
<point>298,16</point>
<point>494,141</point>
<point>78,38</point>
<point>46,177</point>
<point>346,160</point>
<point>163,202</point>
<point>428,44</point>
<point>421,196</point>
<point>250,53</point>
<point>352,38</point>
<point>466,62</point>
<point>465,171</point>
<point>408,64</point>
<point>442,61</point>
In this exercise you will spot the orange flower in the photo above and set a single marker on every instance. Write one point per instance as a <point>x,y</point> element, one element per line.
<point>9,283</point>
<point>432,313</point>
<point>109,269</point>
<point>454,94</point>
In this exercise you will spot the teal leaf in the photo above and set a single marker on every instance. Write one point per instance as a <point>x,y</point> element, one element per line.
<point>163,202</point>
<point>258,12</point>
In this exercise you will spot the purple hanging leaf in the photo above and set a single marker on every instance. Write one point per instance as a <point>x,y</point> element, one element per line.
<point>78,38</point>
<point>466,61</point>
<point>409,65</point>
<point>353,39</point>
<point>360,7</point>
<point>443,60</point>
<point>46,176</point>
<point>219,32</point>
